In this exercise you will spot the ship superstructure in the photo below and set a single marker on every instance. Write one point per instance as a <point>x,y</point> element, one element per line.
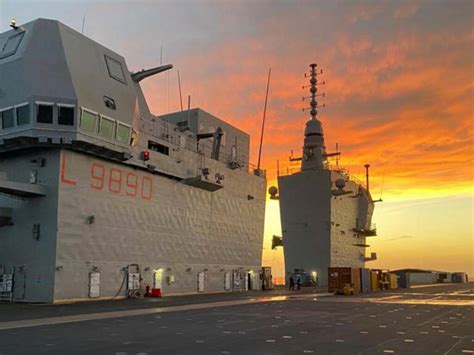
<point>325,214</point>
<point>99,197</point>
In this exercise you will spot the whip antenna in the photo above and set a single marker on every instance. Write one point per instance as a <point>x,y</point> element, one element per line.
<point>263,121</point>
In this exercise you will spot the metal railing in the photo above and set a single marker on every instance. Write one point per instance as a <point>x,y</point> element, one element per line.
<point>169,133</point>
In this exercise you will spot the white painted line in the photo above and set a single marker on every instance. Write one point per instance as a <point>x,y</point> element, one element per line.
<point>389,351</point>
<point>270,340</point>
<point>363,332</point>
<point>408,340</point>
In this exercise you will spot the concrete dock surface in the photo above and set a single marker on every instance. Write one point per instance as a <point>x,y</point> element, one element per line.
<point>430,319</point>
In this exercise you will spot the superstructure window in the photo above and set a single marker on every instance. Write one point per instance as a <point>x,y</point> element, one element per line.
<point>66,115</point>
<point>157,147</point>
<point>23,115</point>
<point>8,118</point>
<point>44,113</point>
<point>106,127</point>
<point>123,133</point>
<point>88,121</point>
<point>115,69</point>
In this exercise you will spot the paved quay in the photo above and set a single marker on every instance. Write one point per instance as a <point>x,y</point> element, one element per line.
<point>423,320</point>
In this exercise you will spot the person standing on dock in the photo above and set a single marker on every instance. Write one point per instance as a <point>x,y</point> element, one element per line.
<point>292,283</point>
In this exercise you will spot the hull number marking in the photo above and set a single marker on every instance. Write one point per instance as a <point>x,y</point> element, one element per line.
<point>114,180</point>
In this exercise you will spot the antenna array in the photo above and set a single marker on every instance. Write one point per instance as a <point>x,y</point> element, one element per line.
<point>313,89</point>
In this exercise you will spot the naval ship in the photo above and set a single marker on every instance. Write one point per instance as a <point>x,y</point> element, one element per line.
<point>325,214</point>
<point>99,198</point>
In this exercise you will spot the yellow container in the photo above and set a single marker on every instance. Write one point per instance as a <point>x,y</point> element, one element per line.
<point>374,282</point>
<point>393,281</point>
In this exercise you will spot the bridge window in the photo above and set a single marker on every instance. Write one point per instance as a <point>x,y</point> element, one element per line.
<point>66,115</point>
<point>7,118</point>
<point>44,112</point>
<point>157,147</point>
<point>123,133</point>
<point>23,114</point>
<point>88,121</point>
<point>106,127</point>
<point>115,69</point>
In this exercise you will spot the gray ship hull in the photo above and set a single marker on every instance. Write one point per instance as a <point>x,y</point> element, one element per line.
<point>100,217</point>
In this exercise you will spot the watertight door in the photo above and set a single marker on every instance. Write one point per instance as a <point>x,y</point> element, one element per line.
<point>227,279</point>
<point>201,277</point>
<point>158,279</point>
<point>94,284</point>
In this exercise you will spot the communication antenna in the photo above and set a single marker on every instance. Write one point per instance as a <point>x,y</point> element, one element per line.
<point>313,89</point>
<point>83,23</point>
<point>263,121</point>
<point>367,166</point>
<point>180,95</point>
<point>338,155</point>
<point>167,92</point>
<point>381,189</point>
<point>189,108</point>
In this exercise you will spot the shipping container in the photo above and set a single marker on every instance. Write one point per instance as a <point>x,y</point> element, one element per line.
<point>338,277</point>
<point>393,281</point>
<point>374,281</point>
<point>403,279</point>
<point>356,279</point>
<point>365,280</point>
<point>459,277</point>
<point>423,277</point>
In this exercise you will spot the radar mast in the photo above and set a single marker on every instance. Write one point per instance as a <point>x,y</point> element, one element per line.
<point>314,151</point>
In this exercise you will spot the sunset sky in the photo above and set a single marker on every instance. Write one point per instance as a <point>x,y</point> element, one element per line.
<point>399,95</point>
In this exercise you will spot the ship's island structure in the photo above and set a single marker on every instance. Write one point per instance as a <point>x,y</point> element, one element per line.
<point>101,198</point>
<point>325,214</point>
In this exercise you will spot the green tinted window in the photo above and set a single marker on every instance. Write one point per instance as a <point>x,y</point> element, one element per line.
<point>88,121</point>
<point>106,128</point>
<point>123,134</point>
<point>23,115</point>
<point>8,119</point>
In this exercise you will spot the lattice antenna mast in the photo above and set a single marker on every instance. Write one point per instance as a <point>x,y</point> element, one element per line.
<point>313,89</point>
